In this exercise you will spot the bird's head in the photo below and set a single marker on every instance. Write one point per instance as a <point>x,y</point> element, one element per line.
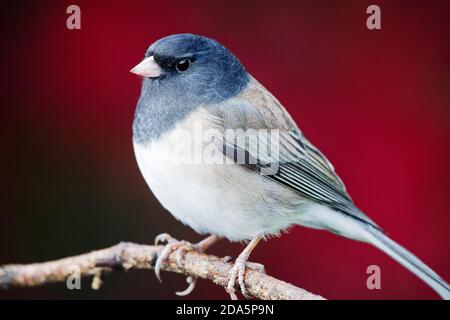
<point>192,67</point>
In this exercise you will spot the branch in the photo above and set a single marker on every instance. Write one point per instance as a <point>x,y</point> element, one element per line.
<point>125,256</point>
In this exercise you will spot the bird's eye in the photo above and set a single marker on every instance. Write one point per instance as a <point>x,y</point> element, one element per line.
<point>182,65</point>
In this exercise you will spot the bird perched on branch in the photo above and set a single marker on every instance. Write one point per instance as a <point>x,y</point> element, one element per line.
<point>221,154</point>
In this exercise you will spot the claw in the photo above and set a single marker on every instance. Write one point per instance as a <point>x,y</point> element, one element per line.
<point>181,247</point>
<point>164,238</point>
<point>241,282</point>
<point>237,272</point>
<point>232,281</point>
<point>182,250</point>
<point>192,282</point>
<point>163,258</point>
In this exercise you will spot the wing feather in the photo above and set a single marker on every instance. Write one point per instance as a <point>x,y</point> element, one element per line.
<point>300,165</point>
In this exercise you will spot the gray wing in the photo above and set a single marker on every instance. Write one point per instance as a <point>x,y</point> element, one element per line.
<point>300,165</point>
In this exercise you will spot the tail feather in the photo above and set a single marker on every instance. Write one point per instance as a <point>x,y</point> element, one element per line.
<point>407,259</point>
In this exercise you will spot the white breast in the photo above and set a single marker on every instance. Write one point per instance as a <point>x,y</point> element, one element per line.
<point>221,199</point>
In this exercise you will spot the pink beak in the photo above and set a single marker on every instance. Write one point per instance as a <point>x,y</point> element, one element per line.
<point>148,68</point>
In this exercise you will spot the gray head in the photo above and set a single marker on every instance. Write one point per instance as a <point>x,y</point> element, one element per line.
<point>182,72</point>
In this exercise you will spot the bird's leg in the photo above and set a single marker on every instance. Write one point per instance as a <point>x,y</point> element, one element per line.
<point>181,247</point>
<point>238,270</point>
<point>206,243</point>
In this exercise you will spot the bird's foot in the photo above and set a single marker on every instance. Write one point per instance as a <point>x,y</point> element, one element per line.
<point>172,245</point>
<point>237,272</point>
<point>180,246</point>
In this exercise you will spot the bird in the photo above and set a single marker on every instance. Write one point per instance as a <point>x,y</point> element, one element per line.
<point>224,157</point>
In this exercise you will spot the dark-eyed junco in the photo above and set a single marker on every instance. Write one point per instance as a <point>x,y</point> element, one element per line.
<point>221,154</point>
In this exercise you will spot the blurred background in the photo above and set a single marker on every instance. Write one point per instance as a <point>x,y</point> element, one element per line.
<point>375,102</point>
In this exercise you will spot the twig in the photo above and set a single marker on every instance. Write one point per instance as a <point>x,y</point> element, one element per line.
<point>125,256</point>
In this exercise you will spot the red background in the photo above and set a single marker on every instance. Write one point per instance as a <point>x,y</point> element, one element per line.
<point>375,102</point>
